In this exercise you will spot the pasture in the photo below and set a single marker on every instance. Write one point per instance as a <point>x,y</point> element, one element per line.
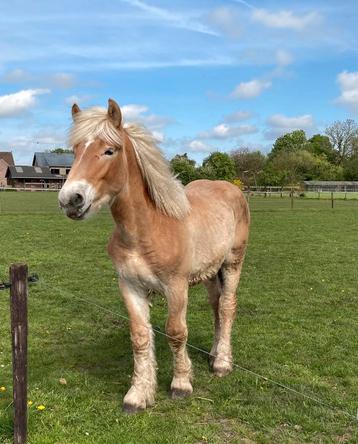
<point>296,324</point>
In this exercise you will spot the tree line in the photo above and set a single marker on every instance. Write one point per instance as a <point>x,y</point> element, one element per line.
<point>292,159</point>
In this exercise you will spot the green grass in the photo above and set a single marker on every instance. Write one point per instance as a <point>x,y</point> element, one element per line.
<point>327,195</point>
<point>297,324</point>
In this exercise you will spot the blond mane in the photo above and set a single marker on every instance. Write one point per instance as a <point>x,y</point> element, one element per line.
<point>167,192</point>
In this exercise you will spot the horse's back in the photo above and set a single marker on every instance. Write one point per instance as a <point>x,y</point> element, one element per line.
<point>211,196</point>
<point>218,225</point>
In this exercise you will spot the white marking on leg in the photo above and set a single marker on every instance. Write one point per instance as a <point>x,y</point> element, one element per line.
<point>142,392</point>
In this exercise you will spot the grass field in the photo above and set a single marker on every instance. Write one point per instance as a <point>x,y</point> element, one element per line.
<point>327,195</point>
<point>297,324</point>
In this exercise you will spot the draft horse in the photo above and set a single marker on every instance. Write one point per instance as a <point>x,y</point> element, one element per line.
<point>166,238</point>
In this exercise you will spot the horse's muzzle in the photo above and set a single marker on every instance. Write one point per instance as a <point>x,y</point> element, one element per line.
<point>75,201</point>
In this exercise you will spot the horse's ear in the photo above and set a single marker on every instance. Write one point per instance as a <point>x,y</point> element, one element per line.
<point>75,110</point>
<point>114,113</point>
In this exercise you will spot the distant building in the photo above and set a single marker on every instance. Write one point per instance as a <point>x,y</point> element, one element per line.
<point>6,159</point>
<point>58,163</point>
<point>331,185</point>
<point>25,176</point>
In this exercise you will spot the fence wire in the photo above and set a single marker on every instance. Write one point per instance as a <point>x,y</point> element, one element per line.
<point>309,397</point>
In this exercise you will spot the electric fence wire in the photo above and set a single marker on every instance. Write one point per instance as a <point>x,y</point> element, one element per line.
<point>322,402</point>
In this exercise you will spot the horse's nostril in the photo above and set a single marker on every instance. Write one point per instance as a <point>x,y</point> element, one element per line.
<point>76,200</point>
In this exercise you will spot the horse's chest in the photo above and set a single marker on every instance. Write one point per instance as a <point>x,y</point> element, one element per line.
<point>133,268</point>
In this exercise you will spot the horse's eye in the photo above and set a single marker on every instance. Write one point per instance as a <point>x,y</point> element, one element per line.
<point>109,152</point>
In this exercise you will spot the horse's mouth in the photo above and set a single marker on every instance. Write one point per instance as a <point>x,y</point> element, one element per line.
<point>79,216</point>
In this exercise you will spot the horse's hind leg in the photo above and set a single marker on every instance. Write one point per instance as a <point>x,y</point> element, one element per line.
<point>213,288</point>
<point>226,313</point>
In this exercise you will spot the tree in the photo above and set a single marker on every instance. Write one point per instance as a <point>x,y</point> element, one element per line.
<point>350,167</point>
<point>60,150</point>
<point>289,142</point>
<point>291,168</point>
<point>219,166</point>
<point>342,136</point>
<point>249,165</point>
<point>354,146</point>
<point>321,146</point>
<point>184,168</point>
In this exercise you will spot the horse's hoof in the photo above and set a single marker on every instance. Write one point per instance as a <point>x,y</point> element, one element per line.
<point>131,409</point>
<point>177,393</point>
<point>222,369</point>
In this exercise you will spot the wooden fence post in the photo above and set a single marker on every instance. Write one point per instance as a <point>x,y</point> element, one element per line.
<point>332,199</point>
<point>291,198</point>
<point>18,303</point>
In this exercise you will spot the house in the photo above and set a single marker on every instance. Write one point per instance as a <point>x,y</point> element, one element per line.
<point>6,159</point>
<point>24,176</point>
<point>58,163</point>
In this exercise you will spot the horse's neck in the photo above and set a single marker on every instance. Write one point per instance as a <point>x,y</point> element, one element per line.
<point>133,210</point>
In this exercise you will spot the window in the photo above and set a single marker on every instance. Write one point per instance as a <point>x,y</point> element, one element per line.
<point>55,170</point>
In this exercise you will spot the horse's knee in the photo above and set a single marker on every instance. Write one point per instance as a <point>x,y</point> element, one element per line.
<point>177,333</point>
<point>140,337</point>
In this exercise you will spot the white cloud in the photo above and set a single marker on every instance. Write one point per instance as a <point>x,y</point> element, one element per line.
<point>63,80</point>
<point>348,83</point>
<point>133,111</point>
<point>280,124</point>
<point>16,75</point>
<point>237,116</point>
<point>225,131</point>
<point>283,58</point>
<point>139,113</point>
<point>158,136</point>
<point>199,147</point>
<point>226,20</point>
<point>155,122</point>
<point>49,136</point>
<point>298,122</point>
<point>77,99</point>
<point>251,89</point>
<point>285,19</point>
<point>17,103</point>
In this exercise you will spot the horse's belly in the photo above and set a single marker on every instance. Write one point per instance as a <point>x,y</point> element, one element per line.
<point>212,244</point>
<point>205,271</point>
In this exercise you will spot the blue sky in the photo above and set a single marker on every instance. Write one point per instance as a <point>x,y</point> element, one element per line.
<point>202,75</point>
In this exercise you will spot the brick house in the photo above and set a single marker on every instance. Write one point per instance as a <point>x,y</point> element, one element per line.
<point>6,160</point>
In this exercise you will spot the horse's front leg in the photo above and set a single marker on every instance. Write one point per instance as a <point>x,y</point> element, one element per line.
<point>176,329</point>
<point>142,392</point>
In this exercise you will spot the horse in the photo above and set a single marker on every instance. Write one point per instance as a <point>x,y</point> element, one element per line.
<point>167,237</point>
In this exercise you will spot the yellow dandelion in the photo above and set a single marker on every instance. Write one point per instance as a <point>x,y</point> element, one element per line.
<point>41,407</point>
<point>2,389</point>
<point>29,403</point>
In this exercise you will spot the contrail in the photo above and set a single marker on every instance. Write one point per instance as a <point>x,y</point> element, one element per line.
<point>242,2</point>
